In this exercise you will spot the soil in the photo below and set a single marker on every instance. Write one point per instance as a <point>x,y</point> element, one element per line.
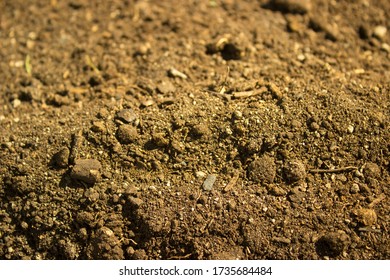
<point>204,129</point>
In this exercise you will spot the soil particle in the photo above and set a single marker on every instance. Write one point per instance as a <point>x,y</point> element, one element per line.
<point>128,116</point>
<point>86,170</point>
<point>160,140</point>
<point>354,188</point>
<point>276,190</point>
<point>68,249</point>
<point>139,255</point>
<point>60,158</point>
<point>166,87</point>
<point>366,217</point>
<point>379,31</point>
<point>292,6</point>
<point>134,202</point>
<point>126,134</point>
<point>104,245</point>
<point>98,126</point>
<point>372,170</point>
<point>262,170</point>
<point>295,171</point>
<point>332,244</point>
<point>201,131</point>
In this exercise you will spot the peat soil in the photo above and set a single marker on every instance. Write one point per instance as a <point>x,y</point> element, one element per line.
<point>199,129</point>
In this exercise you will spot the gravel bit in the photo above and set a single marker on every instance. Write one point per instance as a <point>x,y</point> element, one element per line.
<point>128,116</point>
<point>86,170</point>
<point>60,159</point>
<point>209,182</point>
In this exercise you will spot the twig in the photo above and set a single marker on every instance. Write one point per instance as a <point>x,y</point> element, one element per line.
<point>336,170</point>
<point>377,200</point>
<point>232,182</point>
<point>246,94</point>
<point>367,229</point>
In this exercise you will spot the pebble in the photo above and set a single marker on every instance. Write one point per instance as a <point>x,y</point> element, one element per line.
<point>262,170</point>
<point>98,126</point>
<point>60,159</point>
<point>135,202</point>
<point>176,73</point>
<point>166,87</point>
<point>237,115</point>
<point>379,31</point>
<point>385,47</point>
<point>127,116</point>
<point>292,6</point>
<point>209,182</point>
<point>200,174</point>
<point>86,170</point>
<point>354,188</point>
<point>126,134</point>
<point>314,126</point>
<point>16,103</point>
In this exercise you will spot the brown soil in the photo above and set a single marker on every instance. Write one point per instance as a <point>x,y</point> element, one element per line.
<point>202,129</point>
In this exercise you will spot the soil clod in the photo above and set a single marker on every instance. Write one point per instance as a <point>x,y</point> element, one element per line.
<point>86,170</point>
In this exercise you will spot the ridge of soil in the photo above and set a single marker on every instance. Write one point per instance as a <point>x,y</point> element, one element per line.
<point>200,130</point>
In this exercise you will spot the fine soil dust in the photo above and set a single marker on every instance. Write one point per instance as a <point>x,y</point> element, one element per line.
<point>200,129</point>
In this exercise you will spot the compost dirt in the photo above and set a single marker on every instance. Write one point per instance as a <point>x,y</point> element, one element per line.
<point>194,129</point>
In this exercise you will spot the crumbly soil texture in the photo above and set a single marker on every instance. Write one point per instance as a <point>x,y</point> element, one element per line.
<point>200,129</point>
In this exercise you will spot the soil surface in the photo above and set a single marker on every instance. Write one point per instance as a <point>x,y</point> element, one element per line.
<point>200,129</point>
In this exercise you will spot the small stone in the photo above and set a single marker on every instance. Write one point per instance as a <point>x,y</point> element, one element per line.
<point>276,190</point>
<point>262,170</point>
<point>385,47</point>
<point>332,244</point>
<point>237,115</point>
<point>209,182</point>
<point>166,87</point>
<point>379,31</point>
<point>60,159</point>
<point>128,116</point>
<point>295,171</point>
<point>98,126</point>
<point>354,188</point>
<point>126,134</point>
<point>160,140</point>
<point>86,170</point>
<point>292,6</point>
<point>350,128</point>
<point>176,73</point>
<point>135,202</point>
<point>314,126</point>
<point>200,174</point>
<point>16,103</point>
<point>366,217</point>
